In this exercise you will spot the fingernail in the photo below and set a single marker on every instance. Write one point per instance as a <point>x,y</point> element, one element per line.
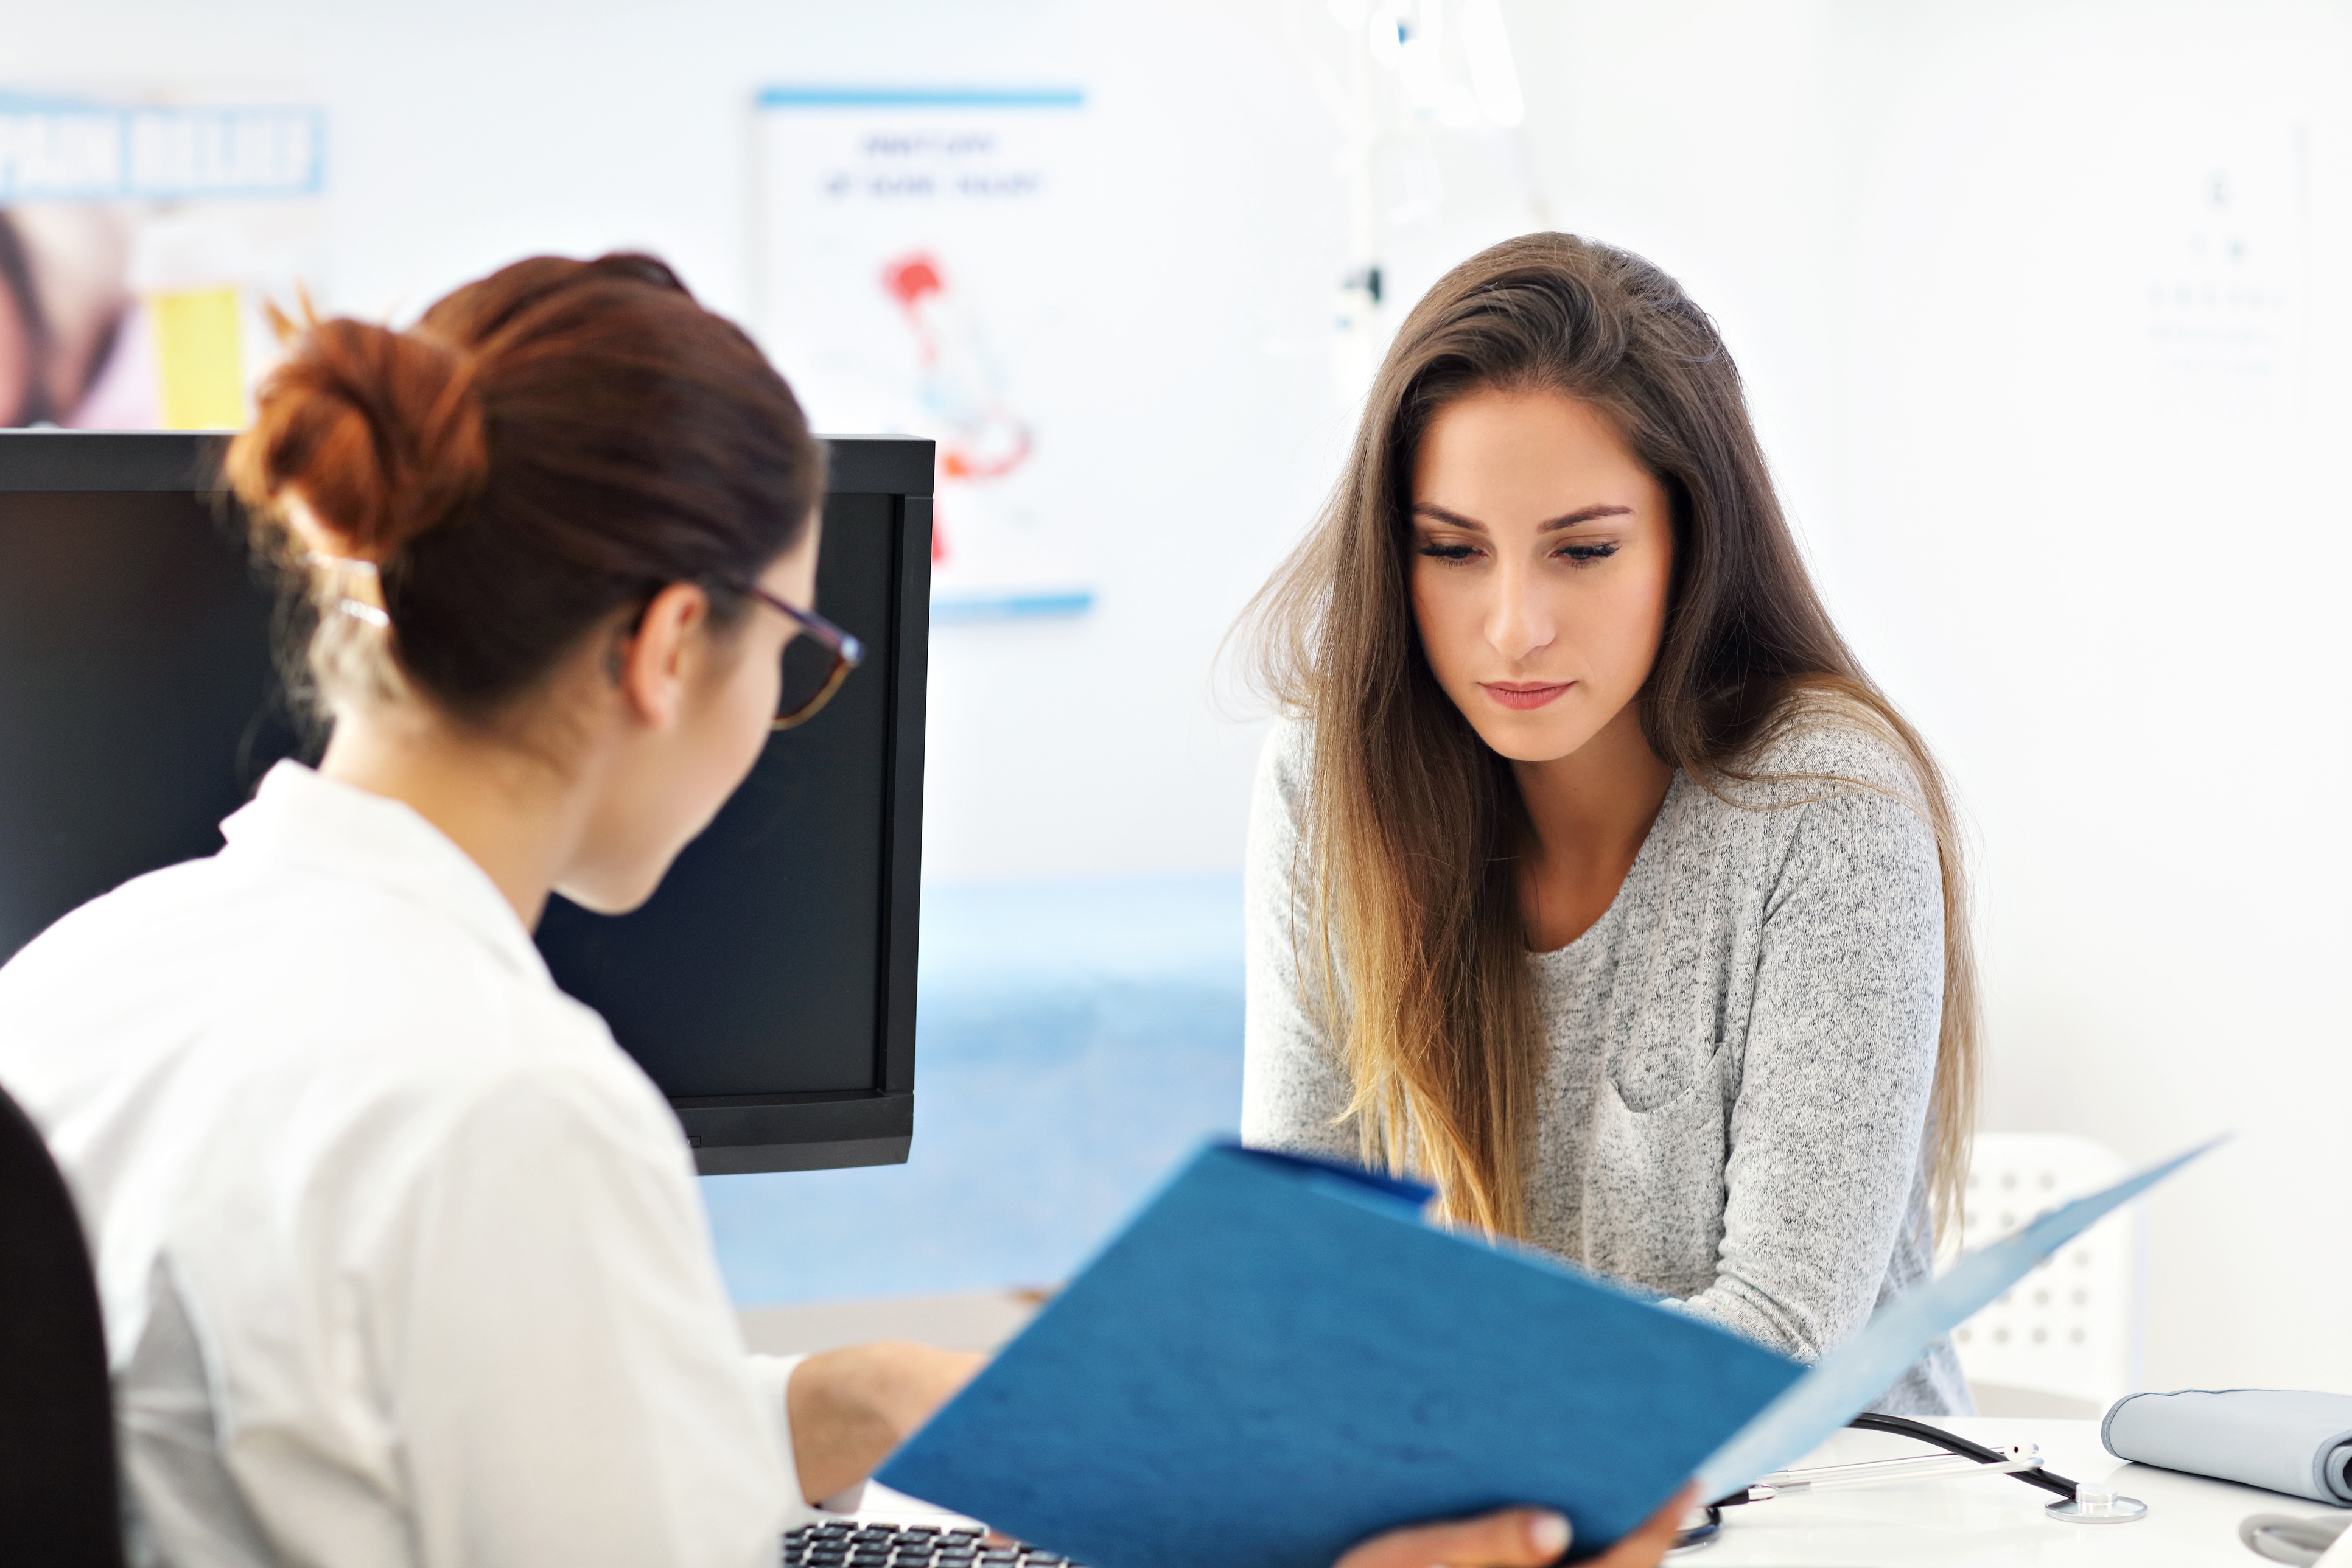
<point>1548,1533</point>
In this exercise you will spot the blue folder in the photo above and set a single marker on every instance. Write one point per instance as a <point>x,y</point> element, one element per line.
<point>1278,1358</point>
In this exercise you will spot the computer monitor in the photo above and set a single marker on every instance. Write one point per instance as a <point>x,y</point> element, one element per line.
<point>768,988</point>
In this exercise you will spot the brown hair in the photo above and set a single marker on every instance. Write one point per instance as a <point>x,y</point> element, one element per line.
<point>1414,827</point>
<point>547,445</point>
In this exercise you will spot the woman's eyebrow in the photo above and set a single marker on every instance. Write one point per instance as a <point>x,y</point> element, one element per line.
<point>1582,514</point>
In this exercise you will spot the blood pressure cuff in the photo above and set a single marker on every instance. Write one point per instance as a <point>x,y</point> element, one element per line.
<point>2300,1443</point>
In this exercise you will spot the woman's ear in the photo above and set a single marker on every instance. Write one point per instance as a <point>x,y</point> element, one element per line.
<point>658,661</point>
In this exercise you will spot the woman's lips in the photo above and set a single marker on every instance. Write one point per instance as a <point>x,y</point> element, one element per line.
<point>1523,694</point>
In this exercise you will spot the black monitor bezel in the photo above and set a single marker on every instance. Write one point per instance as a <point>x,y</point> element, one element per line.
<point>730,1134</point>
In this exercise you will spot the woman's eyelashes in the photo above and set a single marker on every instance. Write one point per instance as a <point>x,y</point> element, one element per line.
<point>1583,553</point>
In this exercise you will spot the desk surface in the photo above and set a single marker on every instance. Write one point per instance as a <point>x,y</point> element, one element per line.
<point>1961,1519</point>
<point>1994,1518</point>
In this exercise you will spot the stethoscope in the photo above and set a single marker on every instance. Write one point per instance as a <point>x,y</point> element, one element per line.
<point>2076,1504</point>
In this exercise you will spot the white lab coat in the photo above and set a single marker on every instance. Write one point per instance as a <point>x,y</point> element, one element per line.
<point>401,1257</point>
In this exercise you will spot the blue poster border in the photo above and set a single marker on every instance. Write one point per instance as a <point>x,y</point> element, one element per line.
<point>840,96</point>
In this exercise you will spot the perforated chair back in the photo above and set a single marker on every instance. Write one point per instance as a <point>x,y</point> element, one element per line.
<point>58,1505</point>
<point>2069,1333</point>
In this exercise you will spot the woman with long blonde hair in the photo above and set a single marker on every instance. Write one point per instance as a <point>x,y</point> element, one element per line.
<point>1591,877</point>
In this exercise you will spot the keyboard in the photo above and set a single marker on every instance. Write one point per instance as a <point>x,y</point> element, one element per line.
<point>848,1544</point>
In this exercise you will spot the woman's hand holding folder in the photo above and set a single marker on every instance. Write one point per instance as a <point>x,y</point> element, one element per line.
<point>1517,1538</point>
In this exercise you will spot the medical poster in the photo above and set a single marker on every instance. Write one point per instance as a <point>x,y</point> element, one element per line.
<point>141,237</point>
<point>918,252</point>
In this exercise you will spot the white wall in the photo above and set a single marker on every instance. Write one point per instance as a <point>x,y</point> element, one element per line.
<point>2106,585</point>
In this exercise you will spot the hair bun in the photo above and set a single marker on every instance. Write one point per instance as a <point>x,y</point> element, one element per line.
<point>641,441</point>
<point>378,432</point>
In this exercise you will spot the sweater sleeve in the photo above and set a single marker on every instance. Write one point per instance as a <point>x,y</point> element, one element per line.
<point>1825,1130</point>
<point>1293,1088</point>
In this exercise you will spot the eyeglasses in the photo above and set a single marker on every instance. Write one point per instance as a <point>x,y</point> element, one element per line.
<point>815,662</point>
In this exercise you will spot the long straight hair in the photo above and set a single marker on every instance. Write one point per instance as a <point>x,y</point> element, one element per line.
<point>1415,941</point>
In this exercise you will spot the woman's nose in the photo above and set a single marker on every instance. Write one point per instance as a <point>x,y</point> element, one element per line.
<point>1518,623</point>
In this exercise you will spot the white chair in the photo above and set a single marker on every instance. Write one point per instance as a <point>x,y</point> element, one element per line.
<point>2065,1340</point>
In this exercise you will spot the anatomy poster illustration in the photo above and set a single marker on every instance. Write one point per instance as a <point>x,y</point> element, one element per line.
<point>910,273</point>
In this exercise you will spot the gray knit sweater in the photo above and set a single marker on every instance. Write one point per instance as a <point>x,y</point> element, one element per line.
<point>1742,1049</point>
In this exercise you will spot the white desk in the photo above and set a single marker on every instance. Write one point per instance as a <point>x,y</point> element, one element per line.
<point>1958,1520</point>
<point>1994,1518</point>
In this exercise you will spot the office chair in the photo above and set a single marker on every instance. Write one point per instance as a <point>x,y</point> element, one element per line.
<point>2065,1340</point>
<point>58,1504</point>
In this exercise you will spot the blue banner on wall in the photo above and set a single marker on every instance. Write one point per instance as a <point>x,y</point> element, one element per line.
<point>56,151</point>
